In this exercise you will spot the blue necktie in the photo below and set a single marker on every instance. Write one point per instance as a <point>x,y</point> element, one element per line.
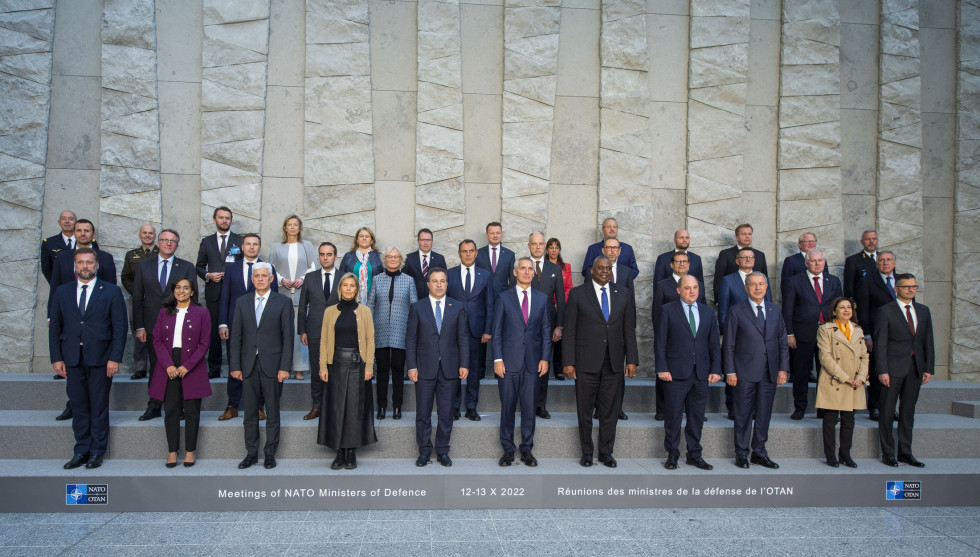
<point>467,286</point>
<point>258,310</point>
<point>248,283</point>
<point>163,277</point>
<point>891,289</point>
<point>81,300</point>
<point>438,317</point>
<point>605,304</point>
<point>760,317</point>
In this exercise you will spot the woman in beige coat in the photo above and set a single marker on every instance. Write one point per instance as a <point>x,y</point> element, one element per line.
<point>844,373</point>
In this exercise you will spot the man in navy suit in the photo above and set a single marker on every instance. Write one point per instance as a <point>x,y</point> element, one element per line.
<point>623,276</point>
<point>500,262</point>
<point>662,268</point>
<point>215,252</point>
<point>875,291</point>
<point>86,339</point>
<point>610,229</point>
<point>756,360</point>
<point>52,246</point>
<point>436,352</point>
<point>418,263</point>
<point>806,305</point>
<point>236,282</point>
<point>796,263</point>
<point>547,280</point>
<point>861,264</point>
<point>599,345</point>
<point>521,352</point>
<point>688,357</point>
<point>319,291</point>
<point>726,263</point>
<point>153,282</point>
<point>471,285</point>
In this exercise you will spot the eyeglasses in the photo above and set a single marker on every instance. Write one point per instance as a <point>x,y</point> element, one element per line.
<point>912,286</point>
<point>163,241</point>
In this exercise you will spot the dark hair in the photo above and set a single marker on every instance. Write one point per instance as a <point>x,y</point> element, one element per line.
<point>433,270</point>
<point>251,235</point>
<point>421,230</point>
<point>673,257</point>
<point>86,221</point>
<point>327,244</point>
<point>557,242</point>
<point>494,223</point>
<point>741,226</point>
<point>836,302</point>
<point>466,241</point>
<point>903,276</point>
<point>214,215</point>
<point>750,250</point>
<point>83,251</point>
<point>170,302</point>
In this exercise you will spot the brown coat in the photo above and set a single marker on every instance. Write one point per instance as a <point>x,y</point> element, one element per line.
<point>365,335</point>
<point>841,360</point>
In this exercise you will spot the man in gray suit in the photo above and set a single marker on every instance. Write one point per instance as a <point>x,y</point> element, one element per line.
<point>319,291</point>
<point>261,355</point>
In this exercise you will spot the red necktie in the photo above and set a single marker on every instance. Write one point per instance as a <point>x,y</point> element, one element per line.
<point>816,287</point>
<point>908,315</point>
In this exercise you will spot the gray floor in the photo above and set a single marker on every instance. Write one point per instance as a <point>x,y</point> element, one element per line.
<point>895,531</point>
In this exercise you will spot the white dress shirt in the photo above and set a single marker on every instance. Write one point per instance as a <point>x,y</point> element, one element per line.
<point>179,326</point>
<point>462,275</point>
<point>915,318</point>
<point>88,291</point>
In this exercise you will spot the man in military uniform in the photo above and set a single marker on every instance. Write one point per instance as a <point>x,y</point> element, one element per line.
<point>148,248</point>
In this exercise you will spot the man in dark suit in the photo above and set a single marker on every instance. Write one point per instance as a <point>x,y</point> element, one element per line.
<point>436,352</point>
<point>547,280</point>
<point>906,361</point>
<point>418,263</point>
<point>875,291</point>
<point>599,340</point>
<point>756,360</point>
<point>610,229</point>
<point>500,262</point>
<point>726,264</point>
<point>217,250</point>
<point>153,282</point>
<point>146,250</point>
<point>796,263</point>
<point>473,287</point>
<point>319,291</point>
<point>688,357</point>
<point>51,247</point>
<point>861,264</point>
<point>665,292</point>
<point>806,305</point>
<point>261,356</point>
<point>662,269</point>
<point>236,283</point>
<point>86,338</point>
<point>521,353</point>
<point>623,276</point>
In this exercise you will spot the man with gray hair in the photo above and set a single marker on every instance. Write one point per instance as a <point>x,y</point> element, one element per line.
<point>610,229</point>
<point>806,305</point>
<point>547,280</point>
<point>796,263</point>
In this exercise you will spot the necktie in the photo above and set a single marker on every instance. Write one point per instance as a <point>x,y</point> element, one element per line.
<point>760,317</point>
<point>816,288</point>
<point>163,277</point>
<point>81,300</point>
<point>248,283</point>
<point>493,260</point>
<point>537,270</point>
<point>524,307</point>
<point>468,285</point>
<point>891,289</point>
<point>258,310</point>
<point>326,287</point>
<point>425,265</point>
<point>71,243</point>
<point>690,318</point>
<point>605,304</point>
<point>224,245</point>
<point>908,315</point>
<point>438,317</point>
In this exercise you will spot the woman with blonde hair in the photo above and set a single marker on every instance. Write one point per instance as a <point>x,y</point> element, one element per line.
<point>292,258</point>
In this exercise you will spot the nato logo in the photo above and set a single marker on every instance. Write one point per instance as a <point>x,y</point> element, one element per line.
<point>903,491</point>
<point>83,494</point>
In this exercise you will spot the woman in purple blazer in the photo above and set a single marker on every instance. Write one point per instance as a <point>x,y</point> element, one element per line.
<point>181,339</point>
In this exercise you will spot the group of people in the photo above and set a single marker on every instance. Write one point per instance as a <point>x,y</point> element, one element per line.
<point>408,314</point>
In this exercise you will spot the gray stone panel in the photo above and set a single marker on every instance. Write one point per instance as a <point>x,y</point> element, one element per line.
<point>283,156</point>
<point>75,107</point>
<point>287,31</point>
<point>578,48</point>
<point>393,36</point>
<point>77,30</point>
<point>180,33</point>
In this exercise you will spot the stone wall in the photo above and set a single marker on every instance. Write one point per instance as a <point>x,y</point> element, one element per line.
<point>794,115</point>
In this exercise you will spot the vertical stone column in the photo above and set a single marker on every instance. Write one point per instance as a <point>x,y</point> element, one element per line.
<point>900,135</point>
<point>719,70</point>
<point>130,180</point>
<point>531,34</point>
<point>338,163</point>
<point>234,58</point>
<point>25,79</point>
<point>965,350</point>
<point>440,191</point>
<point>809,158</point>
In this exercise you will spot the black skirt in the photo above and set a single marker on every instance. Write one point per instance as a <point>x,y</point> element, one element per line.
<point>347,408</point>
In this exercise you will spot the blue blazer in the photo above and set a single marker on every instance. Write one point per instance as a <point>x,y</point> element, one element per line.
<point>63,270</point>
<point>350,259</point>
<point>626,258</point>
<point>801,311</point>
<point>425,347</point>
<point>747,351</point>
<point>680,352</point>
<point>479,304</point>
<point>413,268</point>
<point>792,266</point>
<point>505,266</point>
<point>662,270</point>
<point>233,286</point>
<point>390,318</point>
<point>518,344</point>
<point>731,292</point>
<point>102,329</point>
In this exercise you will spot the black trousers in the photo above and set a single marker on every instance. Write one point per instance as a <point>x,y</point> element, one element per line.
<point>316,384</point>
<point>874,385</point>
<point>173,399</point>
<point>802,360</point>
<point>152,404</point>
<point>391,363</point>
<point>600,389</point>
<point>830,419</point>
<point>905,392</point>
<point>254,387</point>
<point>689,397</point>
<point>214,352</point>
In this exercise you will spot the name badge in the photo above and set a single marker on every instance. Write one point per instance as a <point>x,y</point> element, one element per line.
<point>232,252</point>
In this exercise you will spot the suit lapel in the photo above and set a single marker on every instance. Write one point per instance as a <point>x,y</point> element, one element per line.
<point>92,296</point>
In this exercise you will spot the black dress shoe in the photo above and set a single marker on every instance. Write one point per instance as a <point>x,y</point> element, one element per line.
<point>444,460</point>
<point>472,415</point>
<point>874,415</point>
<point>94,462</point>
<point>149,414</point>
<point>350,462</point>
<point>608,461</point>
<point>699,462</point>
<point>214,374</point>
<point>422,460</point>
<point>189,464</point>
<point>763,461</point>
<point>559,376</point>
<point>506,460</point>
<point>138,375</point>
<point>76,461</point>
<point>832,462</point>
<point>671,463</point>
<point>456,414</point>
<point>741,462</point>
<point>659,416</point>
<point>172,464</point>
<point>543,414</point>
<point>338,462</point>
<point>381,413</point>
<point>846,460</point>
<point>798,414</point>
<point>623,416</point>
<point>528,459</point>
<point>396,414</point>
<point>586,460</point>
<point>731,416</point>
<point>269,463</point>
<point>889,461</point>
<point>65,415</point>
<point>911,460</point>
<point>248,461</point>
<point>56,377</point>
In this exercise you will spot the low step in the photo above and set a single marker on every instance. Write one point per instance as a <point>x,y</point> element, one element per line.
<point>967,409</point>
